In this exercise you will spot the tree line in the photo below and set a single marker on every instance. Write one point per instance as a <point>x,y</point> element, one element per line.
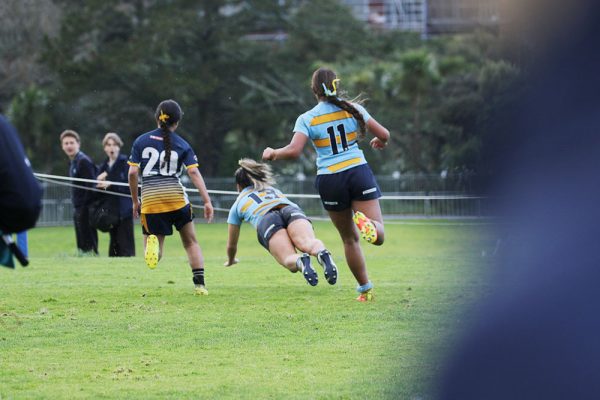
<point>241,72</point>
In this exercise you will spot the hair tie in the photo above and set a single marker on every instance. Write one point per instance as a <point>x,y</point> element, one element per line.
<point>331,92</point>
<point>163,117</point>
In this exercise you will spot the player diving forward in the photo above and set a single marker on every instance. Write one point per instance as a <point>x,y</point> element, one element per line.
<point>281,225</point>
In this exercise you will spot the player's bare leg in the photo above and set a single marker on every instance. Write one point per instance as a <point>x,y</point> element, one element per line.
<point>283,250</point>
<point>350,238</point>
<point>195,257</point>
<point>302,235</point>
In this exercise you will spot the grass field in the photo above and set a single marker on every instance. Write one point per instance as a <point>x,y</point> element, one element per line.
<point>99,327</point>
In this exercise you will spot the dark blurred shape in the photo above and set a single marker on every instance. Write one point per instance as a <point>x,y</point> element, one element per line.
<point>20,193</point>
<point>537,335</point>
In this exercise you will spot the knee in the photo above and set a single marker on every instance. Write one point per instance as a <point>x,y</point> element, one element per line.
<point>303,244</point>
<point>189,242</point>
<point>350,239</point>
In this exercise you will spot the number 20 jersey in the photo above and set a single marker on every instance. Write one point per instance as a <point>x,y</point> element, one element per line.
<point>251,205</point>
<point>334,135</point>
<point>162,190</point>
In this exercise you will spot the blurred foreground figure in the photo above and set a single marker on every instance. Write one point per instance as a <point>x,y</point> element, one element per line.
<point>20,193</point>
<point>538,334</point>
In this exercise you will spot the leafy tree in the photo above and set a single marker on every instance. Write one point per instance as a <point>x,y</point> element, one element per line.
<point>327,31</point>
<point>23,26</point>
<point>113,61</point>
<point>418,79</point>
<point>117,60</point>
<point>29,114</point>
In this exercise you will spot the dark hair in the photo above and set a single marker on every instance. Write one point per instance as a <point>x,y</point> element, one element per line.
<point>168,113</point>
<point>253,173</point>
<point>322,80</point>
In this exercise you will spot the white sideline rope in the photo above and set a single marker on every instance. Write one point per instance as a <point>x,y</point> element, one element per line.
<point>84,187</point>
<point>68,178</point>
<point>45,178</point>
<point>234,193</point>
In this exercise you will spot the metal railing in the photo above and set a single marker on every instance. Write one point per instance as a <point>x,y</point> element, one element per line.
<point>426,16</point>
<point>424,196</point>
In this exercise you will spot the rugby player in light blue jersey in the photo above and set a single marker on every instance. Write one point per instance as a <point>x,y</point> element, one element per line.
<point>281,225</point>
<point>161,156</point>
<point>345,182</point>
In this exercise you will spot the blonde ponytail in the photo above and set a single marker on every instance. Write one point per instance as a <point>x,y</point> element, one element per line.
<point>254,173</point>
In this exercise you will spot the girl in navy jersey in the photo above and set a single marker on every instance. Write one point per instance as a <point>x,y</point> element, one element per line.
<point>161,156</point>
<point>345,182</point>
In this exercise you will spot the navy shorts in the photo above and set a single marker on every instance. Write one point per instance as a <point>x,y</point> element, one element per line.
<point>162,223</point>
<point>338,190</point>
<point>276,219</point>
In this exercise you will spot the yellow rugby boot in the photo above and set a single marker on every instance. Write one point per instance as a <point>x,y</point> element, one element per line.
<point>151,252</point>
<point>365,226</point>
<point>200,290</point>
<point>366,296</point>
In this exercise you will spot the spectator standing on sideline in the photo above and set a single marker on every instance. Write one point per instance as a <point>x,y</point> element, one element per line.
<point>115,169</point>
<point>80,166</point>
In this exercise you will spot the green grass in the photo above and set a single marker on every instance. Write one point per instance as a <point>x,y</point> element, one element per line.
<point>99,327</point>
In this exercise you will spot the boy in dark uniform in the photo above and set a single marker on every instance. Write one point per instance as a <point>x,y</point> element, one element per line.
<point>80,166</point>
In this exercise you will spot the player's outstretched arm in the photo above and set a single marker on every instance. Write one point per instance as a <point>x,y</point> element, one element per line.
<point>292,150</point>
<point>198,182</point>
<point>232,241</point>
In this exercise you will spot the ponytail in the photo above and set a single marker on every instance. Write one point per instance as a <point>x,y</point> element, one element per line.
<point>348,107</point>
<point>253,173</point>
<point>166,135</point>
<point>168,114</point>
<point>324,85</point>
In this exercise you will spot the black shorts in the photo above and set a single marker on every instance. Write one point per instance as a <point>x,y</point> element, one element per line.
<point>338,190</point>
<point>275,220</point>
<point>162,223</point>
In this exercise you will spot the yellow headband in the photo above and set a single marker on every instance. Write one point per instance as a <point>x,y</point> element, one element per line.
<point>163,117</point>
<point>331,92</point>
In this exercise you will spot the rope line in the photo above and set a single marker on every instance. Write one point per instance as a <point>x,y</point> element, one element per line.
<point>43,177</point>
<point>83,187</point>
<point>234,193</point>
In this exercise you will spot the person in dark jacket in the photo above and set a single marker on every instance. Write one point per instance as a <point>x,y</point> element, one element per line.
<point>115,169</point>
<point>20,193</point>
<point>81,166</point>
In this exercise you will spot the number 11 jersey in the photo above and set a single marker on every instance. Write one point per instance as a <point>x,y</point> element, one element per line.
<point>162,190</point>
<point>334,135</point>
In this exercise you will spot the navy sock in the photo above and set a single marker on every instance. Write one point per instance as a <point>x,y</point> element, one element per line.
<point>198,276</point>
